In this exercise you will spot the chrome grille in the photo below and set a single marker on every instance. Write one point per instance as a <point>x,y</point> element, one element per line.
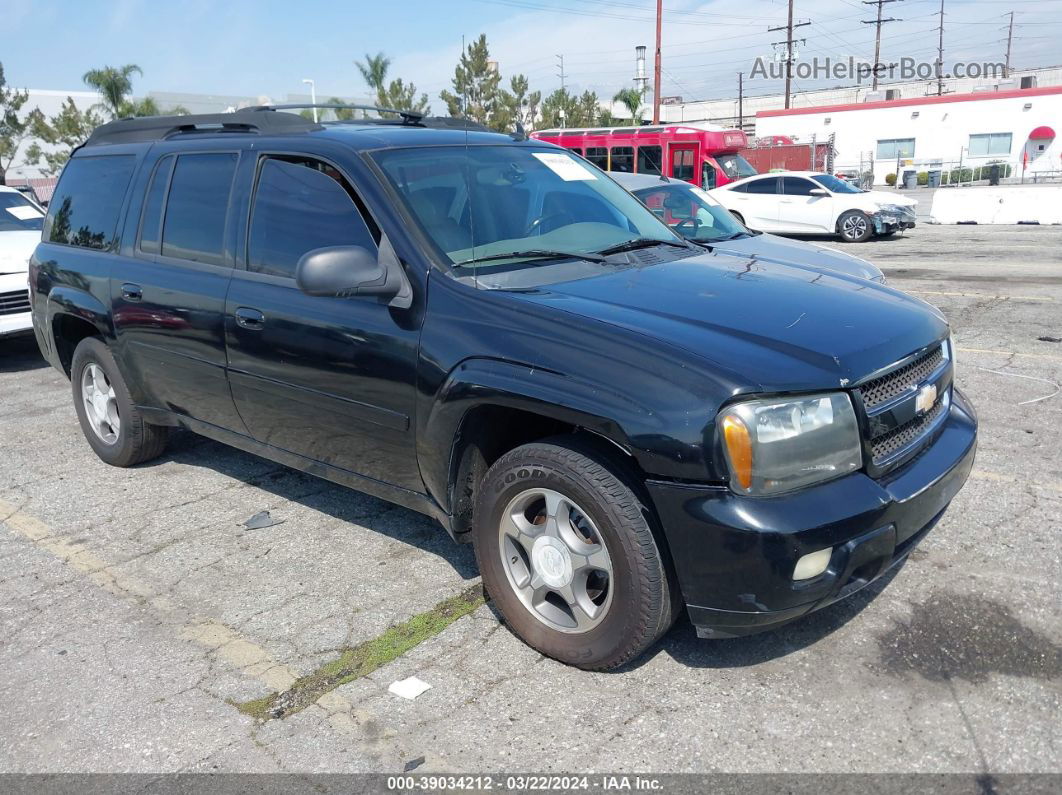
<point>14,302</point>
<point>899,438</point>
<point>891,385</point>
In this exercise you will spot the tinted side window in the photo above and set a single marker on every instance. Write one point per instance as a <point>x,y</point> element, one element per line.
<point>763,185</point>
<point>84,210</point>
<point>649,159</point>
<point>598,155</point>
<point>576,149</point>
<point>622,159</point>
<point>194,227</point>
<point>795,186</point>
<point>151,219</point>
<point>298,207</point>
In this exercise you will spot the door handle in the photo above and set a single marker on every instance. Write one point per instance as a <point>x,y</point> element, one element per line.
<point>249,318</point>
<point>132,292</point>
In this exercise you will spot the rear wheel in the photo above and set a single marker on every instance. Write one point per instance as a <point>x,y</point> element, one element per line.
<point>568,556</point>
<point>113,427</point>
<point>855,226</point>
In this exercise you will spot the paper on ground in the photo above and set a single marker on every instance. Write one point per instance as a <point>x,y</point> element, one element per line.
<point>408,688</point>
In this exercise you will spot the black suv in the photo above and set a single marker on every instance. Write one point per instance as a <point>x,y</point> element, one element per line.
<point>490,331</point>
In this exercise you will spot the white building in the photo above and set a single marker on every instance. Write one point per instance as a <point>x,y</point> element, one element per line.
<point>1016,127</point>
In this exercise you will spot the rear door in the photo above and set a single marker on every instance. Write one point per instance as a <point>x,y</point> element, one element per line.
<point>168,290</point>
<point>331,379</point>
<point>757,202</point>
<point>800,211</point>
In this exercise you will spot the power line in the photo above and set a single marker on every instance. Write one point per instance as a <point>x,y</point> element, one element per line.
<point>877,36</point>
<point>789,41</point>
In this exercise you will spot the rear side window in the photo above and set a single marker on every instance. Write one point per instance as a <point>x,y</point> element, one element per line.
<point>598,155</point>
<point>84,210</point>
<point>300,206</point>
<point>194,225</point>
<point>622,159</point>
<point>151,224</point>
<point>763,186</point>
<point>649,159</point>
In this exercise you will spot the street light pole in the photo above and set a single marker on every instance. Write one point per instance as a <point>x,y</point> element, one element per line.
<point>313,96</point>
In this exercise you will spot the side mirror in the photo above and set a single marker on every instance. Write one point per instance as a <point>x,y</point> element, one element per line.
<point>340,271</point>
<point>818,192</point>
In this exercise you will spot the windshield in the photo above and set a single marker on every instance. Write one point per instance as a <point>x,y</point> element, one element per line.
<point>736,167</point>
<point>691,212</point>
<point>831,183</point>
<point>18,214</point>
<point>481,202</point>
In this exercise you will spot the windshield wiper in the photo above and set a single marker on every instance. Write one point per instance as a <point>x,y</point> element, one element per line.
<point>532,253</point>
<point>641,242</point>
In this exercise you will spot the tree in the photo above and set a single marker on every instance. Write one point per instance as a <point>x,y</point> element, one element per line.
<point>631,99</point>
<point>476,93</point>
<point>115,84</point>
<point>523,105</point>
<point>374,70</point>
<point>66,130</point>
<point>561,109</point>
<point>13,129</point>
<point>397,94</point>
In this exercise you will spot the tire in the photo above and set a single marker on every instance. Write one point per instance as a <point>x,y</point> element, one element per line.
<point>855,226</point>
<point>124,438</point>
<point>631,592</point>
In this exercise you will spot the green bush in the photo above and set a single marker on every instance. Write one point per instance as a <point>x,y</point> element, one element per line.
<point>890,180</point>
<point>960,175</point>
<point>923,177</point>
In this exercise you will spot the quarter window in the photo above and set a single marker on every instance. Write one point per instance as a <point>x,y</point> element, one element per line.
<point>622,159</point>
<point>84,210</point>
<point>300,206</point>
<point>194,227</point>
<point>892,148</point>
<point>990,144</point>
<point>649,159</point>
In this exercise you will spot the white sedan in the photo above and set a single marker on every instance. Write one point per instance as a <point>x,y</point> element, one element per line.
<point>811,203</point>
<point>20,232</point>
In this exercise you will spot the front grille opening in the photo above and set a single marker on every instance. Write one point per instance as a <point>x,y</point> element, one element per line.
<point>898,438</point>
<point>14,302</point>
<point>906,378</point>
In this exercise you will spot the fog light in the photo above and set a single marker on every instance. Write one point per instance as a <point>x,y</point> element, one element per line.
<point>813,564</point>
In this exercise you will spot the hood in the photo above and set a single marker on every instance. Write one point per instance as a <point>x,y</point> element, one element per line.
<point>775,326</point>
<point>799,252</point>
<point>15,250</point>
<point>884,197</point>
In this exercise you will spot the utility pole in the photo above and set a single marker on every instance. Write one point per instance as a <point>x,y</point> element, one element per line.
<point>1010,37</point>
<point>877,38</point>
<point>656,68</point>
<point>789,42</point>
<point>560,70</point>
<point>940,54</point>
<point>741,101</point>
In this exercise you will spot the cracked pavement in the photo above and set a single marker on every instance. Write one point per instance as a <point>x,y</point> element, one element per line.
<point>136,609</point>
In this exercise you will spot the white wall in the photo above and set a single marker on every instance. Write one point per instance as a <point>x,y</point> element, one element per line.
<point>941,132</point>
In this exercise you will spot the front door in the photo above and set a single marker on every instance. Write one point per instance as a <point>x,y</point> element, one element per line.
<point>800,211</point>
<point>331,379</point>
<point>683,158</point>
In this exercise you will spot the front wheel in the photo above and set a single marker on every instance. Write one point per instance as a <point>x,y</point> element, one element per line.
<point>568,556</point>
<point>855,226</point>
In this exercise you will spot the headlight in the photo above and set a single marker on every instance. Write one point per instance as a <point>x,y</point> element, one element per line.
<point>776,445</point>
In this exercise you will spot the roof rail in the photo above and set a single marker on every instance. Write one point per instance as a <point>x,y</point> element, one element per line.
<point>155,128</point>
<point>408,116</point>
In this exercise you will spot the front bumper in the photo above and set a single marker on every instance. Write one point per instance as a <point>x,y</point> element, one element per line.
<point>734,556</point>
<point>15,315</point>
<point>888,222</point>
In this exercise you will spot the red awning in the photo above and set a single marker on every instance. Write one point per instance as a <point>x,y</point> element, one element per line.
<point>1041,134</point>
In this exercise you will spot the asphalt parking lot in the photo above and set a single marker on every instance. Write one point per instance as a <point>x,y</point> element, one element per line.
<point>140,619</point>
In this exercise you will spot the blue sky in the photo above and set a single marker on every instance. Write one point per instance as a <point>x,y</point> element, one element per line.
<point>267,47</point>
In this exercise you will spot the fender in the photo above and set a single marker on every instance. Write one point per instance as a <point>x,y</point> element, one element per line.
<point>483,381</point>
<point>63,300</point>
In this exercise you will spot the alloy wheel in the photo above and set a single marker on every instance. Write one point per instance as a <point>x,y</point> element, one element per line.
<point>101,405</point>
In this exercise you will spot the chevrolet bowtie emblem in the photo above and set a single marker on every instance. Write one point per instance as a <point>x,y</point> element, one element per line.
<point>927,396</point>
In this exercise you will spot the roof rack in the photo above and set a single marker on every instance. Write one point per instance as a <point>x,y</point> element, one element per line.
<point>408,116</point>
<point>154,128</point>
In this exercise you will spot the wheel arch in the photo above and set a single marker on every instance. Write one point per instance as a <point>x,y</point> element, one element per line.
<point>72,316</point>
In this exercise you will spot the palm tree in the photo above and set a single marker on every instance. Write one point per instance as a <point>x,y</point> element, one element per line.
<point>631,99</point>
<point>115,84</point>
<point>374,70</point>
